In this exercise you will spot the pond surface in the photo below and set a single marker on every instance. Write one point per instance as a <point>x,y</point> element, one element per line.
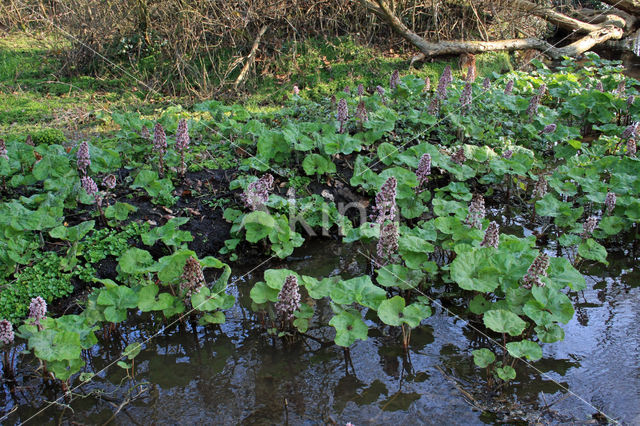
<point>239,375</point>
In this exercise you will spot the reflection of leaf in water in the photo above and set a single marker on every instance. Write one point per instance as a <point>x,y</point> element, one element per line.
<point>421,337</point>
<point>399,401</point>
<point>371,394</point>
<point>347,390</point>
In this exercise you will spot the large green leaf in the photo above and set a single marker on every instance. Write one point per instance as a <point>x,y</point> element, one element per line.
<point>349,328</point>
<point>503,321</point>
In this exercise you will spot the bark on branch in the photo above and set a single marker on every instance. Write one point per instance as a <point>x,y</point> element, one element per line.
<point>596,34</point>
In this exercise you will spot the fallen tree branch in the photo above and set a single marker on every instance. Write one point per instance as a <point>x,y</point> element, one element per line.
<point>556,18</point>
<point>250,58</point>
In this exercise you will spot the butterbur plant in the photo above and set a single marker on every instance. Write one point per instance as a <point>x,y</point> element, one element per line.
<point>7,337</point>
<point>37,310</point>
<point>109,181</point>
<point>343,114</point>
<point>610,202</point>
<point>192,279</point>
<point>347,90</point>
<point>387,247</point>
<point>360,90</point>
<point>631,147</point>
<point>445,79</point>
<point>549,128</point>
<point>540,190</point>
<point>465,98</point>
<point>589,226</point>
<point>427,83</point>
<point>532,109</point>
<point>486,84</point>
<point>83,158</point>
<point>394,80</point>
<point>90,187</point>
<point>491,236</point>
<point>160,146</point>
<point>296,90</point>
<point>257,193</point>
<point>380,92</point>
<point>507,154</point>
<point>424,169</point>
<point>508,89</point>
<point>3,150</point>
<point>537,269</point>
<point>458,157</point>
<point>476,212</point>
<point>599,86</point>
<point>386,201</point>
<point>361,112</point>
<point>182,144</point>
<point>144,133</point>
<point>288,301</point>
<point>630,131</point>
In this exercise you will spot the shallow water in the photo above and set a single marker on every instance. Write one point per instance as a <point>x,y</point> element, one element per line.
<point>238,374</point>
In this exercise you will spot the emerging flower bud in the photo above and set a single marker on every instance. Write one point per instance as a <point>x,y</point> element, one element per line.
<point>534,103</point>
<point>89,185</point>
<point>486,84</point>
<point>599,86</point>
<point>631,147</point>
<point>394,80</point>
<point>508,88</point>
<point>427,83</point>
<point>182,135</point>
<point>343,114</point>
<point>288,299</point>
<point>465,98</point>
<point>83,158</point>
<point>621,88</point>
<point>3,150</point>
<point>386,201</point>
<point>361,112</point>
<point>109,181</point>
<point>192,279</point>
<point>296,90</point>
<point>537,269</point>
<point>257,193</point>
<point>387,247</point>
<point>434,106</point>
<point>6,333</point>
<point>507,154</point>
<point>610,202</point>
<point>589,226</point>
<point>29,141</point>
<point>491,236</point>
<point>380,91</point>
<point>159,139</point>
<point>424,169</point>
<point>37,309</point>
<point>542,90</point>
<point>630,131</point>
<point>144,133</point>
<point>347,90</point>
<point>360,90</point>
<point>445,79</point>
<point>549,128</point>
<point>459,157</point>
<point>630,100</point>
<point>476,212</point>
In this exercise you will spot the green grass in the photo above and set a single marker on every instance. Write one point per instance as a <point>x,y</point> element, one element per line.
<point>33,95</point>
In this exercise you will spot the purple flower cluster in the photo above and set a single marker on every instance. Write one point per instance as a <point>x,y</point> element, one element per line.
<point>343,114</point>
<point>599,86</point>
<point>6,333</point>
<point>537,269</point>
<point>394,80</point>
<point>476,212</point>
<point>630,131</point>
<point>434,106</point>
<point>182,135</point>
<point>424,169</point>
<point>387,244</point>
<point>89,185</point>
<point>296,90</point>
<point>361,112</point>
<point>109,181</point>
<point>458,157</point>
<point>288,298</point>
<point>534,103</point>
<point>486,84</point>
<point>144,133</point>
<point>507,154</point>
<point>160,146</point>
<point>508,89</point>
<point>445,79</point>
<point>465,98</point>
<point>3,150</point>
<point>29,141</point>
<point>589,226</point>
<point>380,91</point>
<point>621,88</point>
<point>192,279</point>
<point>542,90</point>
<point>386,201</point>
<point>347,90</point>
<point>257,193</point>
<point>360,90</point>
<point>631,147</point>
<point>491,236</point>
<point>630,101</point>
<point>83,157</point>
<point>610,202</point>
<point>540,189</point>
<point>427,83</point>
<point>549,128</point>
<point>37,309</point>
